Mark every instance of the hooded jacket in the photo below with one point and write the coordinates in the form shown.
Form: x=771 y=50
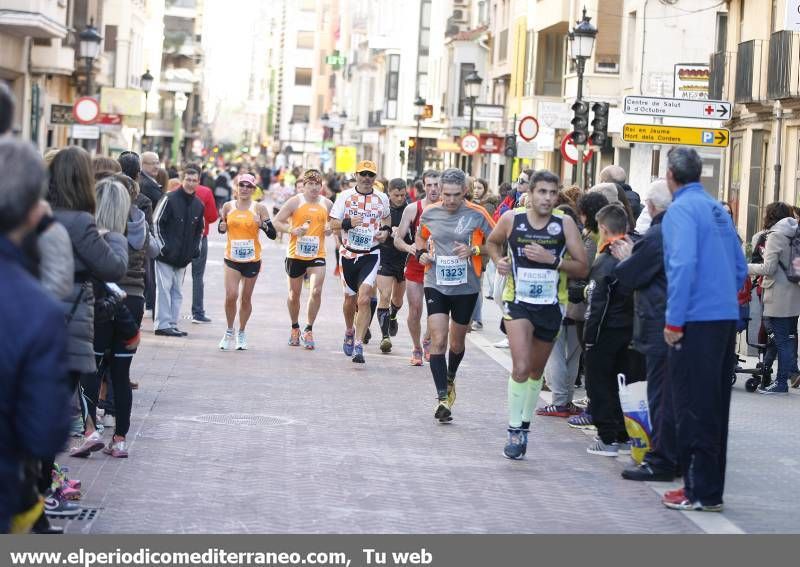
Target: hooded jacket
x=781 y=297
x=610 y=303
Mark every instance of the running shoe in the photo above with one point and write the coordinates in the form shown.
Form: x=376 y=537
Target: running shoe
x=393 y=326
x=294 y=339
x=349 y=341
x=775 y=388
x=367 y=336
x=477 y=326
x=308 y=340
x=451 y=391
x=118 y=450
x=241 y=341
x=443 y=413
x=416 y=357
x=227 y=341
x=552 y=410
x=200 y=319
x=386 y=345
x=624 y=447
x=501 y=344
x=90 y=444
x=358 y=354
x=56 y=506
x=795 y=381
x=603 y=449
x=677 y=500
x=515 y=449
x=582 y=402
x=426 y=349
x=573 y=409
x=582 y=421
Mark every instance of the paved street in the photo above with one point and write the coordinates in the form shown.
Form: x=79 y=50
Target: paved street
x=278 y=439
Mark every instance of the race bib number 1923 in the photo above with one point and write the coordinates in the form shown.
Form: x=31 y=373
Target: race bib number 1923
x=243 y=250
x=451 y=270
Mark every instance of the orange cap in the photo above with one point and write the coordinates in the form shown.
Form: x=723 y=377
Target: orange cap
x=367 y=165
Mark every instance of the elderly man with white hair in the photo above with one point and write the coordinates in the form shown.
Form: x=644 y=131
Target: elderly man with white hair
x=642 y=268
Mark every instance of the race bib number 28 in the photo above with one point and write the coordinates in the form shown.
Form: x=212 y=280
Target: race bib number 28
x=536 y=286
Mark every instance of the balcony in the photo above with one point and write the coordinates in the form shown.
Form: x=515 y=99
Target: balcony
x=783 y=72
x=35 y=18
x=751 y=67
x=374 y=119
x=52 y=59
x=721 y=75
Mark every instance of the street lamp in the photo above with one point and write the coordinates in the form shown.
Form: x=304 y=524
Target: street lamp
x=146 y=83
x=472 y=89
x=581 y=43
x=420 y=104
x=88 y=50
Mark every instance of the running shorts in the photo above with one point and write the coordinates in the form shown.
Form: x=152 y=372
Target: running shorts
x=358 y=271
x=394 y=270
x=415 y=272
x=247 y=269
x=546 y=319
x=458 y=307
x=296 y=268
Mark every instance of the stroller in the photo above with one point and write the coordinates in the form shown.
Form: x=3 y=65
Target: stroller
x=756 y=337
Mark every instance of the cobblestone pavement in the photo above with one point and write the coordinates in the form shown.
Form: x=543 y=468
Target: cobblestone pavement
x=278 y=439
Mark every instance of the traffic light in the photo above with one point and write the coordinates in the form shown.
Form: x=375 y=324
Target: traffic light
x=599 y=124
x=580 y=122
x=510 y=149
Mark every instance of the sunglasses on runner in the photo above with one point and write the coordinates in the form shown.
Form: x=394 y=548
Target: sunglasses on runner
x=247 y=185
x=366 y=174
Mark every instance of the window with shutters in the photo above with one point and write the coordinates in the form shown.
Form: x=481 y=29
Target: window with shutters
x=607 y=48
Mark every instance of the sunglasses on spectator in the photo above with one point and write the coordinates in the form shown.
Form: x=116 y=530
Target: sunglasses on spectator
x=366 y=174
x=247 y=185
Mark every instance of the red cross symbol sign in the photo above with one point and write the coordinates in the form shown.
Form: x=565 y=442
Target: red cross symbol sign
x=709 y=110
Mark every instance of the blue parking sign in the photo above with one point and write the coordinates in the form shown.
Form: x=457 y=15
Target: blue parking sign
x=708 y=137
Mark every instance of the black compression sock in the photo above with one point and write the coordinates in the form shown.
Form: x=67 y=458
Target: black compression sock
x=526 y=425
x=373 y=305
x=309 y=328
x=453 y=360
x=439 y=371
x=295 y=325
x=393 y=309
x=383 y=321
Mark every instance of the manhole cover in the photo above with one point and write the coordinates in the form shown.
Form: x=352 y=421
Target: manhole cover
x=241 y=419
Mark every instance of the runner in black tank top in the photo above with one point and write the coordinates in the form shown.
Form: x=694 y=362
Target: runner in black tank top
x=537 y=242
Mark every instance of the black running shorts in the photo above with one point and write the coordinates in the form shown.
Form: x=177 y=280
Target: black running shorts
x=358 y=271
x=296 y=268
x=546 y=319
x=396 y=270
x=247 y=269
x=458 y=307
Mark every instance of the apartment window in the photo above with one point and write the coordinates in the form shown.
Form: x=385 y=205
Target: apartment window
x=502 y=46
x=301 y=113
x=530 y=62
x=305 y=40
x=759 y=150
x=42 y=41
x=110 y=39
x=302 y=77
x=722 y=31
x=551 y=64
x=392 y=86
x=607 y=49
x=630 y=44
x=423 y=46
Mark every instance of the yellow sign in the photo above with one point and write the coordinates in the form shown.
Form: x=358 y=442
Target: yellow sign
x=345 y=159
x=676 y=135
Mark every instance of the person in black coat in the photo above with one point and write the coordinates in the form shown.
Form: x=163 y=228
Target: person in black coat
x=150 y=188
x=642 y=269
x=178 y=226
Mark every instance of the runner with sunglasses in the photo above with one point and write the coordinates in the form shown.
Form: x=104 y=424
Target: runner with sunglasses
x=241 y=220
x=364 y=218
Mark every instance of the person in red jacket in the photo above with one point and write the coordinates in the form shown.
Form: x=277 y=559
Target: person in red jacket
x=210 y=216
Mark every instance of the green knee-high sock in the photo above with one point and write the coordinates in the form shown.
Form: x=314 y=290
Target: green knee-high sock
x=531 y=399
x=516 y=400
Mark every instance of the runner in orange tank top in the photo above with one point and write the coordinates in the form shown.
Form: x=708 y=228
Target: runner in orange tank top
x=305 y=218
x=241 y=220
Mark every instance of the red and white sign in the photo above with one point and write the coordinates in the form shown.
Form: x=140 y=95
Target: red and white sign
x=569 y=151
x=86 y=110
x=491 y=144
x=110 y=119
x=470 y=144
x=528 y=128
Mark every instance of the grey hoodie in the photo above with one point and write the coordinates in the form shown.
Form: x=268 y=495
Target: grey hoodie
x=781 y=297
x=140 y=245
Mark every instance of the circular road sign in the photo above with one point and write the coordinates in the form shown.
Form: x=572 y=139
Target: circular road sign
x=569 y=151
x=86 y=110
x=470 y=144
x=528 y=128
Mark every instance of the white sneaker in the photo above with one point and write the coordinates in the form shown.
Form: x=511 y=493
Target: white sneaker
x=109 y=421
x=227 y=341
x=501 y=344
x=241 y=341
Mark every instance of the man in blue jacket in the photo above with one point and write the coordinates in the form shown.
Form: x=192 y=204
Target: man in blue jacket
x=705 y=268
x=34 y=389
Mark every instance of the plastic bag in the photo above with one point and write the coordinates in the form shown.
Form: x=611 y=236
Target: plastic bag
x=633 y=399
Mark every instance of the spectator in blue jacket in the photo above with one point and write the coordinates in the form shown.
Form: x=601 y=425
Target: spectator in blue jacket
x=34 y=389
x=705 y=269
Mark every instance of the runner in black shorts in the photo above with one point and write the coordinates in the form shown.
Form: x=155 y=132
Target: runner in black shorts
x=391 y=273
x=537 y=240
x=296 y=268
x=448 y=243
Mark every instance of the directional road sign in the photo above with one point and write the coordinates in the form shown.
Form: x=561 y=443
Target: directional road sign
x=678 y=107
x=676 y=135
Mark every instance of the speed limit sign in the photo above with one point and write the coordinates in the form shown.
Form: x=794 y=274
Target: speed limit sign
x=470 y=144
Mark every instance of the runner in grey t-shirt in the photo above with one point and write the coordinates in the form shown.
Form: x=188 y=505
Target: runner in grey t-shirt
x=448 y=243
